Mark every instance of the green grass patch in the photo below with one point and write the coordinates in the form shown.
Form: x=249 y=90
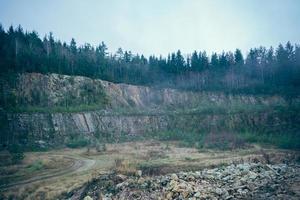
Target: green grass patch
x=35 y=166
x=77 y=142
x=227 y=140
x=185 y=139
x=285 y=141
x=57 y=109
x=202 y=107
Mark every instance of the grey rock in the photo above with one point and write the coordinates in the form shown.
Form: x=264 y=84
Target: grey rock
x=174 y=177
x=87 y=198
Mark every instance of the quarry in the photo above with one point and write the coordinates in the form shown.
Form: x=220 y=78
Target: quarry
x=120 y=141
x=150 y=100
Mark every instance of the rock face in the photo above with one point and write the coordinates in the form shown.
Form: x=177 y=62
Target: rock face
x=57 y=127
x=33 y=89
x=242 y=181
x=127 y=109
x=55 y=90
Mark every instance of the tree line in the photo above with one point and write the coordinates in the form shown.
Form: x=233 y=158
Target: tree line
x=261 y=70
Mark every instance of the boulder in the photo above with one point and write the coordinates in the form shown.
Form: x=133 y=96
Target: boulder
x=87 y=198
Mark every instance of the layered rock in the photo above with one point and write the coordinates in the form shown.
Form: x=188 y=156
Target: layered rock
x=131 y=110
x=57 y=127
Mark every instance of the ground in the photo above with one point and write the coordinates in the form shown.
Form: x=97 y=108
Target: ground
x=52 y=174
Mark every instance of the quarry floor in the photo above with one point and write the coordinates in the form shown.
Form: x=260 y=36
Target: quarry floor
x=48 y=175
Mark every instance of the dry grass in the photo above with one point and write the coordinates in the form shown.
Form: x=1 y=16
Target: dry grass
x=126 y=158
x=33 y=165
x=223 y=141
x=125 y=167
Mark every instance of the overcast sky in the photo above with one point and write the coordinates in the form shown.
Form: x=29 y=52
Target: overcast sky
x=160 y=26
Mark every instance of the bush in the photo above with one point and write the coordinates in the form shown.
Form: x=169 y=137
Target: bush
x=17 y=153
x=223 y=141
x=17 y=157
x=156 y=154
x=125 y=167
x=100 y=147
x=77 y=142
x=285 y=141
x=186 y=139
x=35 y=166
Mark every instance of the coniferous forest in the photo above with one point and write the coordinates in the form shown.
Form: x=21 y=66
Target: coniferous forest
x=262 y=70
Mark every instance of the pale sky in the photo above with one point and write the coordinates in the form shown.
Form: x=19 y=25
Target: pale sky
x=160 y=26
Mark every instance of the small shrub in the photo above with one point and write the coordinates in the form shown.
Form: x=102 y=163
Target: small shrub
x=185 y=138
x=17 y=157
x=153 y=155
x=17 y=153
x=188 y=159
x=35 y=166
x=104 y=147
x=71 y=80
x=283 y=140
x=265 y=156
x=125 y=167
x=88 y=150
x=77 y=142
x=167 y=147
x=153 y=168
x=223 y=141
x=100 y=147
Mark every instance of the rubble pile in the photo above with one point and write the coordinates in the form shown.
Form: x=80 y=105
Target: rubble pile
x=241 y=181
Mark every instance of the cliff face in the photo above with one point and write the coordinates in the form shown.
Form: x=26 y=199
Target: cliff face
x=144 y=110
x=56 y=128
x=61 y=90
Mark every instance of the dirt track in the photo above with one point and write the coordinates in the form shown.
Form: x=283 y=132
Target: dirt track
x=78 y=165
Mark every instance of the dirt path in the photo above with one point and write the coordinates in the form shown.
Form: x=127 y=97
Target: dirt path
x=78 y=165
x=86 y=164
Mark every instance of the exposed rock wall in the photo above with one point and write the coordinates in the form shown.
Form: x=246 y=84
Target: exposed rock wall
x=164 y=105
x=54 y=90
x=57 y=127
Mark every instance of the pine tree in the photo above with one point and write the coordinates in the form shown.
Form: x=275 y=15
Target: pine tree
x=238 y=57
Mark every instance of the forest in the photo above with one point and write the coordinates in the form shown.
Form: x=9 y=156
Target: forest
x=261 y=71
